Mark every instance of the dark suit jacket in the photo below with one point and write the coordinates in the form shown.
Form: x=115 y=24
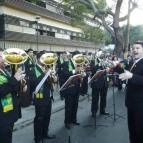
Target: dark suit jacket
x=65 y=76
x=28 y=66
x=11 y=116
x=134 y=93
x=60 y=72
x=34 y=81
x=102 y=80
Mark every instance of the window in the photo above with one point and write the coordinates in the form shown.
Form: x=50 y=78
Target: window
x=74 y=34
x=44 y=28
x=67 y=14
x=69 y=33
x=61 y=31
x=73 y=37
x=54 y=29
x=23 y=23
x=50 y=33
x=35 y=26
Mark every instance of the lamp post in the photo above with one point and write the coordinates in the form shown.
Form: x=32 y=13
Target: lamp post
x=36 y=19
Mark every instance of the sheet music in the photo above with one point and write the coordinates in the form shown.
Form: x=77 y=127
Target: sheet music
x=42 y=82
x=96 y=75
x=70 y=80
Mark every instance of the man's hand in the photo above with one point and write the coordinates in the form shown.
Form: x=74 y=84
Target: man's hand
x=107 y=69
x=25 y=88
x=55 y=79
x=125 y=75
x=19 y=75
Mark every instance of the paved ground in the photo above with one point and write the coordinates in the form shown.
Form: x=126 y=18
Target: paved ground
x=116 y=132
x=28 y=113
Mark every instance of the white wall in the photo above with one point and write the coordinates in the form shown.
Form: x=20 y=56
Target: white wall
x=29 y=16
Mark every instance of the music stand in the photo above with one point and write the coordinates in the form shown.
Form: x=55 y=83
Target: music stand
x=115 y=116
x=93 y=79
x=88 y=97
x=70 y=82
x=72 y=79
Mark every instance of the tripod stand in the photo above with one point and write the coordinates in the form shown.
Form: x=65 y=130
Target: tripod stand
x=114 y=116
x=95 y=126
x=88 y=96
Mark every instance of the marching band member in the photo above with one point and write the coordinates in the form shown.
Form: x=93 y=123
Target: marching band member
x=60 y=63
x=134 y=93
x=42 y=102
x=99 y=87
x=9 y=108
x=30 y=63
x=72 y=93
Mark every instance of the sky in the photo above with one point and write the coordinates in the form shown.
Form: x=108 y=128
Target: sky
x=136 y=17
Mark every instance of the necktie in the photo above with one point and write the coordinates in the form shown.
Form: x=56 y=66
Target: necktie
x=133 y=66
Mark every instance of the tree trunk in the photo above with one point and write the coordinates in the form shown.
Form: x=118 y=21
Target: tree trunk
x=119 y=42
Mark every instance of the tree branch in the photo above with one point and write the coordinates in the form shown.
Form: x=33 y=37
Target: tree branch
x=81 y=1
x=107 y=12
x=93 y=6
x=117 y=13
x=131 y=10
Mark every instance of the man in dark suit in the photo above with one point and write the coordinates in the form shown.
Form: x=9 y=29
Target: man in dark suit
x=42 y=102
x=9 y=108
x=99 y=87
x=134 y=93
x=30 y=63
x=71 y=93
x=60 y=63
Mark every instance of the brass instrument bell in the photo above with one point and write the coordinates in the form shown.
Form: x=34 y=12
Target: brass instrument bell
x=15 y=57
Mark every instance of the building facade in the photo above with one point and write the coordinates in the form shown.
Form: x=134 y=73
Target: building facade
x=18 y=27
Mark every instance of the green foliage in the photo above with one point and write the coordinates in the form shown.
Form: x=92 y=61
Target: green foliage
x=77 y=13
x=66 y=1
x=35 y=1
x=101 y=5
x=136 y=33
x=94 y=35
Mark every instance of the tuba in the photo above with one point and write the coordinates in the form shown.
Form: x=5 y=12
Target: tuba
x=15 y=57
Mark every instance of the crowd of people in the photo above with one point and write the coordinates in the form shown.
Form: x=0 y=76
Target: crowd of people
x=130 y=72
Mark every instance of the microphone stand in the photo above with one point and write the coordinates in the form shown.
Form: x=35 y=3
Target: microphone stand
x=114 y=116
